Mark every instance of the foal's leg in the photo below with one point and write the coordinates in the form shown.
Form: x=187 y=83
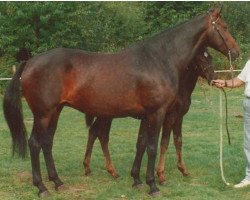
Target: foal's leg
x=38 y=131
x=166 y=131
x=177 y=132
x=91 y=140
x=154 y=123
x=103 y=136
x=140 y=149
x=100 y=129
x=47 y=143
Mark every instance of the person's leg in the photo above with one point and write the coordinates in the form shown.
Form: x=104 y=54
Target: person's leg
x=246 y=108
x=247 y=135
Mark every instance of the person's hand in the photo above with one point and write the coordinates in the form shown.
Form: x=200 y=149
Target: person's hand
x=219 y=83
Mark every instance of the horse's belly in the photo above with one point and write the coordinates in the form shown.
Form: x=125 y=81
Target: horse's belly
x=107 y=104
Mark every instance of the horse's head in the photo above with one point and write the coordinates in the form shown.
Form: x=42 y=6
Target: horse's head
x=203 y=63
x=219 y=36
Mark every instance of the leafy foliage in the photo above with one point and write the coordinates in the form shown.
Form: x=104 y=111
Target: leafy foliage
x=103 y=26
x=163 y=14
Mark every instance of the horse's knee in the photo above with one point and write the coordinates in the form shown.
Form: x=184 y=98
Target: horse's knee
x=151 y=150
x=33 y=144
x=150 y=180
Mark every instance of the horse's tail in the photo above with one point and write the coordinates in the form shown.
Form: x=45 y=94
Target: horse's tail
x=12 y=107
x=89 y=120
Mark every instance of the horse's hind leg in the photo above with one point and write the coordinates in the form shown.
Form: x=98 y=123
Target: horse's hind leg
x=140 y=149
x=103 y=136
x=38 y=131
x=177 y=132
x=47 y=143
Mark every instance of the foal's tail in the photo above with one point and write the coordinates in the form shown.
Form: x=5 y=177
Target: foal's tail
x=89 y=120
x=13 y=114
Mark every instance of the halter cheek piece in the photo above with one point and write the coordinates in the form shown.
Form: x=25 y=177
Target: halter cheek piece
x=218 y=30
x=229 y=52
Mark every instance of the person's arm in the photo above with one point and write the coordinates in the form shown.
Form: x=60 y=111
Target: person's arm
x=231 y=83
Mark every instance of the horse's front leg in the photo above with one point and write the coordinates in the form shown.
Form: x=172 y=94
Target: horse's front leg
x=177 y=132
x=154 y=123
x=153 y=130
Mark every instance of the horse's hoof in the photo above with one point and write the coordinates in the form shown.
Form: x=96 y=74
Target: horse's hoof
x=154 y=191
x=44 y=194
x=60 y=188
x=155 y=194
x=137 y=185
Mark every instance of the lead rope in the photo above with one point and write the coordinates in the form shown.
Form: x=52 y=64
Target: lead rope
x=221 y=142
x=221 y=130
x=231 y=68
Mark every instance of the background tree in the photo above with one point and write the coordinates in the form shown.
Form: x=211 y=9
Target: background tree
x=29 y=28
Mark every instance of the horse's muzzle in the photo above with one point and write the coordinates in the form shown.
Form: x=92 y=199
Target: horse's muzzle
x=234 y=54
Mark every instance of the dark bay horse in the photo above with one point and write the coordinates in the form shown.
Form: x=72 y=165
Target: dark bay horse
x=200 y=66
x=141 y=81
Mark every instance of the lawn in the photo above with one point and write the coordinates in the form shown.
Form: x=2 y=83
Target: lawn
x=200 y=149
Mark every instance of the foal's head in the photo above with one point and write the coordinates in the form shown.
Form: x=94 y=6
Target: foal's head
x=203 y=65
x=219 y=36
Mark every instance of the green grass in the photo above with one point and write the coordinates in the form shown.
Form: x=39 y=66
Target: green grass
x=200 y=151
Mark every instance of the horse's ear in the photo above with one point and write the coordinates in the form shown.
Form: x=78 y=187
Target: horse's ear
x=210 y=10
x=221 y=6
x=215 y=11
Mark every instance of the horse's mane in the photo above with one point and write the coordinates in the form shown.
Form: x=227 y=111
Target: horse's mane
x=168 y=32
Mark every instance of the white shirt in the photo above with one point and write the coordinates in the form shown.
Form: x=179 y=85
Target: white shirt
x=245 y=77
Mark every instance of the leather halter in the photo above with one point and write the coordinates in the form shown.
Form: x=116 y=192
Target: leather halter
x=215 y=27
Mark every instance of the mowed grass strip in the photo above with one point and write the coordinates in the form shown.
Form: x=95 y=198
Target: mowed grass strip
x=200 y=152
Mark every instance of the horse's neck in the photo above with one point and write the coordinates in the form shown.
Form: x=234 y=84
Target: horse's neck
x=183 y=41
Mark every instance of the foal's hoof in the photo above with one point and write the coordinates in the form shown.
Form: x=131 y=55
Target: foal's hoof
x=116 y=176
x=44 y=194
x=162 y=180
x=186 y=173
x=183 y=170
x=60 y=188
x=87 y=172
